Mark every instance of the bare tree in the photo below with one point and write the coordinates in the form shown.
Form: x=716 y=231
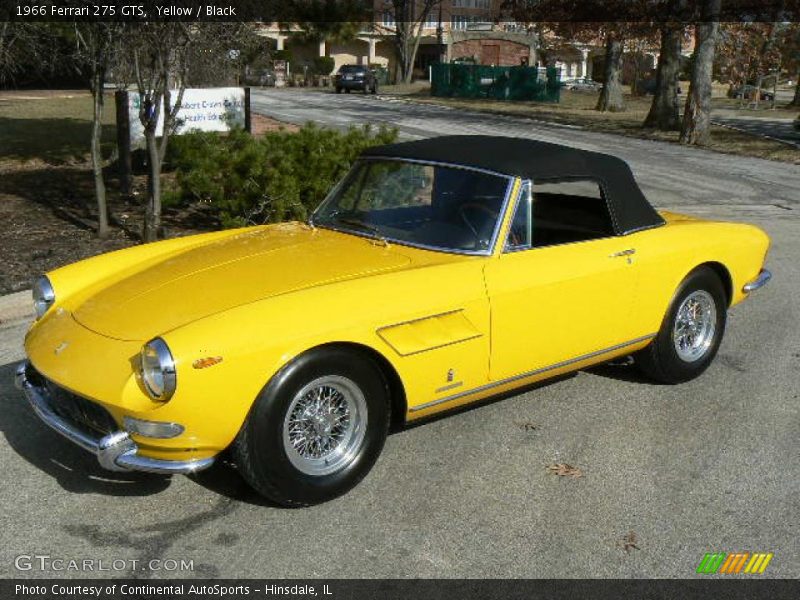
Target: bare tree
x=696 y=126
x=159 y=54
x=769 y=60
x=409 y=20
x=93 y=58
x=25 y=47
x=796 y=100
x=791 y=58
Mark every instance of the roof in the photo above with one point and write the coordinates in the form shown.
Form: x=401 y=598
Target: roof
x=538 y=161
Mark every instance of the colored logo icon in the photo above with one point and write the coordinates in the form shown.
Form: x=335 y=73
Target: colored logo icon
x=734 y=563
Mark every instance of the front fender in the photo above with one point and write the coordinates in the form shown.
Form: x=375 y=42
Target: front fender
x=255 y=341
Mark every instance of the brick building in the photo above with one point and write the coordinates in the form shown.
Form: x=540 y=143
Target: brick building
x=471 y=30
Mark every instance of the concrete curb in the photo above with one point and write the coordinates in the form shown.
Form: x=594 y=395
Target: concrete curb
x=15 y=307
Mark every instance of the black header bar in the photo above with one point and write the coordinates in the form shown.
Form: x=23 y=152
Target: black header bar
x=519 y=11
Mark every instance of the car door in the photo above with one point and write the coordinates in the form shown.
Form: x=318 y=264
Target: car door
x=563 y=286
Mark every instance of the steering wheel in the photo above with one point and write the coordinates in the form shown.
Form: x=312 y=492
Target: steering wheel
x=462 y=212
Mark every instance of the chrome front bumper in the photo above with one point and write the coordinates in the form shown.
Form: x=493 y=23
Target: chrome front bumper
x=115 y=451
x=763 y=278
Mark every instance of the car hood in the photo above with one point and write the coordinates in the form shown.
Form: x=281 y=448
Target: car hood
x=223 y=274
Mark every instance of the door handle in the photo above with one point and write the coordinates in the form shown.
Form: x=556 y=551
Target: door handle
x=627 y=252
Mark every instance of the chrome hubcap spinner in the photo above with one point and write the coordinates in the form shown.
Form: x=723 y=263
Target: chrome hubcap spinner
x=325 y=425
x=695 y=326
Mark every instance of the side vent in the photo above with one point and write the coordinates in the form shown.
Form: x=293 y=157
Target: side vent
x=429 y=333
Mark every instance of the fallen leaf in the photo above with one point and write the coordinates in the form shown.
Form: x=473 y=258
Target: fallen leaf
x=565 y=470
x=630 y=541
x=527 y=425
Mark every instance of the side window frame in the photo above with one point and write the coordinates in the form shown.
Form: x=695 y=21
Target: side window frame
x=525 y=196
x=529 y=183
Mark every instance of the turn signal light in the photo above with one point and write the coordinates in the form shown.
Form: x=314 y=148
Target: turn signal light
x=209 y=361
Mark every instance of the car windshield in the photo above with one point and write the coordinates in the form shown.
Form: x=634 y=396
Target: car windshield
x=438 y=207
x=351 y=69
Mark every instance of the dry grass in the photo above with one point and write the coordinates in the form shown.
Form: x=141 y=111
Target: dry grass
x=51 y=127
x=577 y=108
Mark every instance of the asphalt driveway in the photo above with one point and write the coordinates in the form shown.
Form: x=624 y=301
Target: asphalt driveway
x=669 y=472
x=781 y=129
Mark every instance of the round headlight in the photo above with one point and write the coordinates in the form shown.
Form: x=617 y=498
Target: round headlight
x=43 y=295
x=158 y=370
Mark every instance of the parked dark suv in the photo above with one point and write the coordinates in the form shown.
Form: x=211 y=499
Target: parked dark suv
x=355 y=77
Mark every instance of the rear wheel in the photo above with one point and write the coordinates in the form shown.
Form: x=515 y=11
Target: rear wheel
x=316 y=429
x=338 y=90
x=691 y=332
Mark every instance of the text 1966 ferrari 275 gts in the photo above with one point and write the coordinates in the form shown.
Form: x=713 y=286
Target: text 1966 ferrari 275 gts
x=437 y=273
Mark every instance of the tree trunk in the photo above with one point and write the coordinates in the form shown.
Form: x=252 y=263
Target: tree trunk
x=611 y=95
x=412 y=55
x=796 y=100
x=152 y=217
x=696 y=127
x=757 y=93
x=407 y=42
x=664 y=111
x=97 y=153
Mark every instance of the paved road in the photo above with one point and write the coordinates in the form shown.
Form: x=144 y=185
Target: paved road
x=670 y=174
x=781 y=129
x=709 y=465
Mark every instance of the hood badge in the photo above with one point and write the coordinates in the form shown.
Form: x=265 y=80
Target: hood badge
x=60 y=348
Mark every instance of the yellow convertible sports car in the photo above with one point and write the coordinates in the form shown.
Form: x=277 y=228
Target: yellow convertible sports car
x=437 y=273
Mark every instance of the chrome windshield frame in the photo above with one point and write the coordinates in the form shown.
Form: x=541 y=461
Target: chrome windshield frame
x=510 y=179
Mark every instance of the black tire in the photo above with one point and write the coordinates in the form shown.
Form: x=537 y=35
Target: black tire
x=259 y=449
x=338 y=90
x=346 y=90
x=661 y=359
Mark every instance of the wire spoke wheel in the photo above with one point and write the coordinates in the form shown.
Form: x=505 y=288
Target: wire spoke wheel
x=695 y=326
x=325 y=425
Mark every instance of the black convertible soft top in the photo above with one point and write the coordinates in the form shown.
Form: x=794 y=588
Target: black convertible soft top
x=540 y=162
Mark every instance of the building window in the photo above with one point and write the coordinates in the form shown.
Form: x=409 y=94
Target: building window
x=473 y=22
x=472 y=4
x=458 y=21
x=388 y=19
x=432 y=20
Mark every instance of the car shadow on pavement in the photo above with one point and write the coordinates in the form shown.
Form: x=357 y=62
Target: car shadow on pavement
x=74 y=469
x=622 y=372
x=223 y=479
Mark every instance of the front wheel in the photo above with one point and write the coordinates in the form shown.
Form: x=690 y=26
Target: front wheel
x=691 y=332
x=316 y=429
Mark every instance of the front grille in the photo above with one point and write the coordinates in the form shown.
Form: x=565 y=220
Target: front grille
x=79 y=410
